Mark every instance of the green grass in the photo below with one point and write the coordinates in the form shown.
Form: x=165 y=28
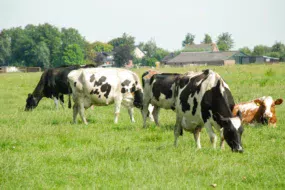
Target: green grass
x=43 y=150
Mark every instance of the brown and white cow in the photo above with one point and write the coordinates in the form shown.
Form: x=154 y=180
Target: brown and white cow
x=104 y=86
x=204 y=100
x=260 y=110
x=159 y=91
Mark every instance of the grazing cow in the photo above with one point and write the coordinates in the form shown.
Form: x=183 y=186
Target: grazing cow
x=53 y=84
x=204 y=100
x=260 y=110
x=158 y=91
x=104 y=86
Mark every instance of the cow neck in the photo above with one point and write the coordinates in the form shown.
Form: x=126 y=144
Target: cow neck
x=39 y=91
x=220 y=102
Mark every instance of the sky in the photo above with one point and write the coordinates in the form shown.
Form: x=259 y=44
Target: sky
x=250 y=22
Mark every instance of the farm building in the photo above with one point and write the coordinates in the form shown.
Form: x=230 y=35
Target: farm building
x=201 y=47
x=259 y=59
x=138 y=53
x=207 y=58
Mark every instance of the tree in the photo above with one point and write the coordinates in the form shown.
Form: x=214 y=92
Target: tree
x=189 y=39
x=5 y=48
x=150 y=48
x=225 y=42
x=71 y=36
x=245 y=50
x=149 y=61
x=278 y=47
x=102 y=47
x=41 y=55
x=122 y=55
x=73 y=55
x=261 y=50
x=124 y=40
x=207 y=39
x=160 y=53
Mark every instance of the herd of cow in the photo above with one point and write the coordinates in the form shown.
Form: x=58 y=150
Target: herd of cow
x=200 y=99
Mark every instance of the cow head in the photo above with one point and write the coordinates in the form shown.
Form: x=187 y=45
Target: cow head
x=138 y=99
x=232 y=131
x=267 y=108
x=31 y=102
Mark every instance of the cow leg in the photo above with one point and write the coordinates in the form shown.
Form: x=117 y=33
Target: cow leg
x=155 y=114
x=150 y=110
x=81 y=112
x=178 y=128
x=197 y=136
x=61 y=100
x=222 y=144
x=211 y=133
x=144 y=114
x=131 y=114
x=117 y=110
x=55 y=102
x=75 y=112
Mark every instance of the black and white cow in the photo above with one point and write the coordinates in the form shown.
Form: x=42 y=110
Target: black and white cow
x=104 y=86
x=53 y=84
x=159 y=91
x=204 y=100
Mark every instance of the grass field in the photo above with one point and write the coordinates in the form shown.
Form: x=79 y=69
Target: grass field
x=43 y=150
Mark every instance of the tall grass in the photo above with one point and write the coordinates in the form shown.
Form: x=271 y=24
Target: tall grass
x=43 y=150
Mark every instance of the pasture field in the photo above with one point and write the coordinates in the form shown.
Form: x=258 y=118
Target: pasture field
x=43 y=150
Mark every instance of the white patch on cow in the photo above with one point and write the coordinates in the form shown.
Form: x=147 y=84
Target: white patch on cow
x=268 y=101
x=247 y=106
x=236 y=122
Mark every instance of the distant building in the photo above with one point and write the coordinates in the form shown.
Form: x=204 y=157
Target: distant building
x=138 y=53
x=201 y=48
x=106 y=59
x=206 y=58
x=259 y=59
x=167 y=58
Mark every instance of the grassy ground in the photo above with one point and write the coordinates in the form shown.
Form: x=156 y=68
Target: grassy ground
x=43 y=150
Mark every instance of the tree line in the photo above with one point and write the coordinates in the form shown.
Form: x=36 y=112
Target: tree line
x=47 y=46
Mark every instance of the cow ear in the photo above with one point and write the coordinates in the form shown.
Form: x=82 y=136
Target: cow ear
x=278 y=101
x=239 y=114
x=258 y=102
x=220 y=118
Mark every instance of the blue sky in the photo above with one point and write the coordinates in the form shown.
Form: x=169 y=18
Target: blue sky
x=251 y=22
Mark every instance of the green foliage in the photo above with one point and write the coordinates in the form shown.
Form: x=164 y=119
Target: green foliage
x=73 y=55
x=125 y=40
x=102 y=47
x=261 y=50
x=207 y=39
x=149 y=61
x=225 y=42
x=150 y=48
x=122 y=55
x=5 y=48
x=43 y=150
x=189 y=39
x=245 y=50
x=41 y=55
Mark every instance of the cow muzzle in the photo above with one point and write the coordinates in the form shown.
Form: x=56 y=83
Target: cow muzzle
x=239 y=149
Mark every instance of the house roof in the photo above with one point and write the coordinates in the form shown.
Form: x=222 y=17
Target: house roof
x=194 y=57
x=168 y=57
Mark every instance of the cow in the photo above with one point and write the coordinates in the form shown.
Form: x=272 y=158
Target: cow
x=260 y=110
x=53 y=84
x=104 y=86
x=158 y=91
x=204 y=100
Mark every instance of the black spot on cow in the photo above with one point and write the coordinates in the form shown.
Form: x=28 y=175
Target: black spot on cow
x=92 y=78
x=106 y=88
x=126 y=82
x=100 y=81
x=91 y=92
x=96 y=92
x=138 y=99
x=195 y=106
x=213 y=100
x=99 y=96
x=133 y=89
x=75 y=84
x=191 y=88
x=136 y=82
x=163 y=84
x=123 y=90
